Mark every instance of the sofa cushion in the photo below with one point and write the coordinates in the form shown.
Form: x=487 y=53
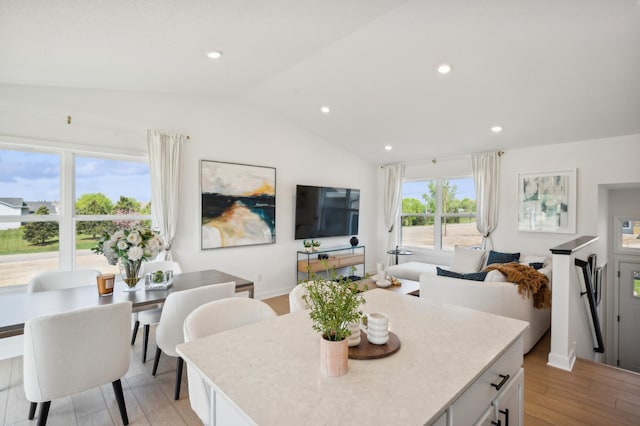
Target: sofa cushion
x=411 y=270
x=473 y=276
x=498 y=257
x=466 y=260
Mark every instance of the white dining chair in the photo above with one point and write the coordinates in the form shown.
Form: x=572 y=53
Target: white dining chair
x=149 y=316
x=296 y=302
x=177 y=306
x=211 y=318
x=75 y=351
x=59 y=280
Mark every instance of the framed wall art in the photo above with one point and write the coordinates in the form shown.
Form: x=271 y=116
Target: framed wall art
x=238 y=204
x=547 y=201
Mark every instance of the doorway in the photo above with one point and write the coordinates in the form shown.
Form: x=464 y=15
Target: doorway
x=629 y=316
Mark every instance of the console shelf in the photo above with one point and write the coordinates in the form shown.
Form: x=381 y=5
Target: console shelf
x=338 y=257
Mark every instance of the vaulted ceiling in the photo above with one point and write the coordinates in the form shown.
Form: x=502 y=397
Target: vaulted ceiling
x=546 y=71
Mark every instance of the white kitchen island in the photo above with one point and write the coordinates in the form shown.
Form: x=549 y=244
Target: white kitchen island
x=268 y=373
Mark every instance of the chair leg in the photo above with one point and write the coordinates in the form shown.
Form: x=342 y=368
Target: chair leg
x=179 y=365
x=117 y=388
x=145 y=342
x=156 y=360
x=32 y=410
x=135 y=332
x=44 y=413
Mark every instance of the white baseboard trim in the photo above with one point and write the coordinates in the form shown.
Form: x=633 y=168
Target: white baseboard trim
x=562 y=362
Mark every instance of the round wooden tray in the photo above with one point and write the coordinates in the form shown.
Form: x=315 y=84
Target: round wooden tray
x=366 y=350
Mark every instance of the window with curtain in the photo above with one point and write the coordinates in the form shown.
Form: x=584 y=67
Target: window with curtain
x=439 y=214
x=37 y=232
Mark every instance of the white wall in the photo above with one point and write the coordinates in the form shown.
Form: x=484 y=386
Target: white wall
x=220 y=129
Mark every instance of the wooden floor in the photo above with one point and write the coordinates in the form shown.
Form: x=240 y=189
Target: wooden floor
x=592 y=394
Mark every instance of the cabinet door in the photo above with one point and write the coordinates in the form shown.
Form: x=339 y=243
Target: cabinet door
x=509 y=402
x=487 y=418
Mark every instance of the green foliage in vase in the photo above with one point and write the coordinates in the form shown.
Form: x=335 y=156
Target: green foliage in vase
x=333 y=304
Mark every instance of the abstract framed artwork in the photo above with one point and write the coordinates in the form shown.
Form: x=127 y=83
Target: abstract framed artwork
x=547 y=201
x=238 y=204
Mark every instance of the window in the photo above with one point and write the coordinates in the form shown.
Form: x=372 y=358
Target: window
x=110 y=194
x=43 y=228
x=439 y=214
x=626 y=231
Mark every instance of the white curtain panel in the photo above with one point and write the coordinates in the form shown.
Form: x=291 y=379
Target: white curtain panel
x=392 y=197
x=486 y=176
x=165 y=164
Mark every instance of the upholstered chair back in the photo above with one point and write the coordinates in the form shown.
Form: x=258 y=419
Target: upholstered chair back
x=75 y=351
x=58 y=280
x=212 y=318
x=178 y=305
x=296 y=303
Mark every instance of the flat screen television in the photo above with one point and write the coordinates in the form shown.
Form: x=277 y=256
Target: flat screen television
x=326 y=211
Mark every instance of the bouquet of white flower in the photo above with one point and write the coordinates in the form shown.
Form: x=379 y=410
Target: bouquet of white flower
x=129 y=244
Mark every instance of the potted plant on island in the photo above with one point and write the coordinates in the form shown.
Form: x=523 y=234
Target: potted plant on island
x=333 y=305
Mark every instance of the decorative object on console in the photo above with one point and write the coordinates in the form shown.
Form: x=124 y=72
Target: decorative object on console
x=238 y=205
x=547 y=201
x=354 y=241
x=333 y=305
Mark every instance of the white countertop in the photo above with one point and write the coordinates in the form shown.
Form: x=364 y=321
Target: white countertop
x=271 y=370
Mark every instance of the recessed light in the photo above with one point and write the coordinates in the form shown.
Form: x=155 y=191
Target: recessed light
x=444 y=69
x=215 y=54
x=496 y=129
x=325 y=109
x=388 y=147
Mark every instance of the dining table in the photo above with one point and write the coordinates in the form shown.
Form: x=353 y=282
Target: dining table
x=17 y=308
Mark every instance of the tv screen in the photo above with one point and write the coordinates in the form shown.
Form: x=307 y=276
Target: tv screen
x=326 y=212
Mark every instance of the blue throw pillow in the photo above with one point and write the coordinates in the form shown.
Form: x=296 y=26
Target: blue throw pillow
x=536 y=265
x=497 y=257
x=474 y=276
x=447 y=273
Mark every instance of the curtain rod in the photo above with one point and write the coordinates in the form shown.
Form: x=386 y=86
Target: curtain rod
x=69 y=123
x=48 y=115
x=435 y=160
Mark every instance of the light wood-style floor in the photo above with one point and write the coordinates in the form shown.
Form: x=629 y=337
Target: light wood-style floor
x=592 y=394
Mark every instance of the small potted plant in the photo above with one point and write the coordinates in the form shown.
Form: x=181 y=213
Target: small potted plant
x=315 y=245
x=333 y=305
x=308 y=246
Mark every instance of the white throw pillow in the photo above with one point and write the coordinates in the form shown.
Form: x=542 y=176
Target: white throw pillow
x=466 y=260
x=495 y=276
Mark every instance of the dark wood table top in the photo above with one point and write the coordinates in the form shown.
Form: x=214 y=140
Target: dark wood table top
x=17 y=308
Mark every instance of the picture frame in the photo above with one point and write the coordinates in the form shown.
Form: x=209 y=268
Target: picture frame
x=237 y=204
x=547 y=201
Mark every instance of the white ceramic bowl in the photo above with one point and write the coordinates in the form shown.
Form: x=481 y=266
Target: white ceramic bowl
x=378 y=340
x=377 y=333
x=377 y=318
x=383 y=284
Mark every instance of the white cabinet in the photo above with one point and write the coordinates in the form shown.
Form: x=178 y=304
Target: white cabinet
x=506 y=409
x=500 y=385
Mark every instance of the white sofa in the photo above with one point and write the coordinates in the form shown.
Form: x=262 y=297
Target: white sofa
x=497 y=297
